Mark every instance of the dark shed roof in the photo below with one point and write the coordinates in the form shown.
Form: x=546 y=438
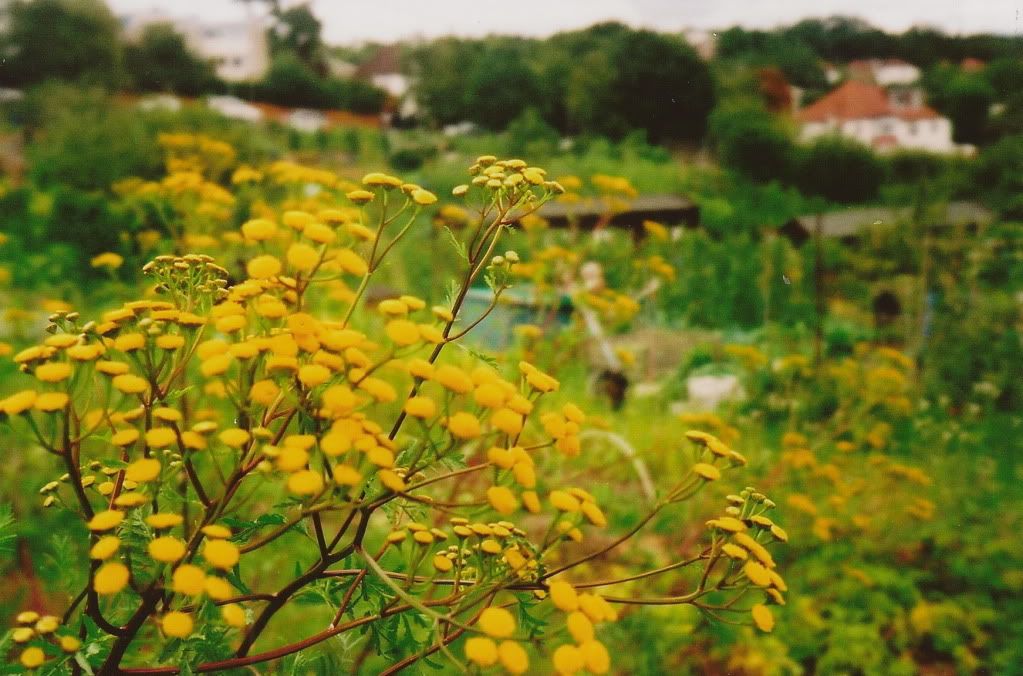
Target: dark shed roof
x=588 y=213
x=848 y=223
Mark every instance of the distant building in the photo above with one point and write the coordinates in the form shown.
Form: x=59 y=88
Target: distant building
x=882 y=120
x=238 y=49
x=383 y=70
x=884 y=72
x=705 y=42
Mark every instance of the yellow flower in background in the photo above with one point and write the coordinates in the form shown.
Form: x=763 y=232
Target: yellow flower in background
x=107 y=260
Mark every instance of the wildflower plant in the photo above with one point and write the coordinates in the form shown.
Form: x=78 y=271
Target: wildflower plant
x=235 y=444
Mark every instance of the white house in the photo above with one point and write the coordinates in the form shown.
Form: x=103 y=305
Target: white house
x=868 y=114
x=884 y=72
x=237 y=49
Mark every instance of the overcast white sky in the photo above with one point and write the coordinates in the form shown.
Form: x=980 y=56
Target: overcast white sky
x=349 y=21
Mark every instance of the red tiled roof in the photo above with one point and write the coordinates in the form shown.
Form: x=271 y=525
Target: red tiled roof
x=856 y=100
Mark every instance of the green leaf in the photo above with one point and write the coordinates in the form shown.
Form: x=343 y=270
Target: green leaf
x=7 y=534
x=458 y=245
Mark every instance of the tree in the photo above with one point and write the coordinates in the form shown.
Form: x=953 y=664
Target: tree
x=297 y=31
x=658 y=84
x=439 y=78
x=750 y=141
x=999 y=172
x=161 y=61
x=964 y=97
x=500 y=85
x=840 y=170
x=60 y=39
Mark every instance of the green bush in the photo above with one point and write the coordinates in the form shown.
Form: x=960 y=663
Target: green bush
x=840 y=170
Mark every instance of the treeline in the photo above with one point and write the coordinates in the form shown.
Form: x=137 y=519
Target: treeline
x=607 y=80
x=81 y=41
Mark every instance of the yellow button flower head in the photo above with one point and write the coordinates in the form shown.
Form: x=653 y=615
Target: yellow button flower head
x=706 y=471
x=464 y=425
x=564 y=596
x=234 y=437
x=757 y=574
x=124 y=437
x=502 y=499
x=390 y=479
x=263 y=267
x=762 y=617
x=110 y=578
x=734 y=552
x=69 y=644
x=481 y=651
x=507 y=421
x=143 y=470
x=177 y=624
x=259 y=229
x=580 y=627
x=593 y=513
x=421 y=407
x=233 y=614
x=105 y=520
x=130 y=384
x=376 y=179
x=264 y=392
x=567 y=659
x=402 y=332
x=217 y=588
x=32 y=657
x=160 y=437
x=216 y=531
x=423 y=197
x=162 y=520
x=108 y=260
x=221 y=554
x=302 y=257
x=296 y=220
x=728 y=523
x=47 y=624
x=27 y=617
x=105 y=547
x=360 y=196
x=351 y=262
x=596 y=657
x=166 y=549
x=564 y=501
x=305 y=482
x=170 y=341
x=312 y=375
x=513 y=657
x=189 y=580
x=319 y=233
x=497 y=622
x=453 y=378
x=49 y=402
x=346 y=475
x=18 y=403
x=54 y=372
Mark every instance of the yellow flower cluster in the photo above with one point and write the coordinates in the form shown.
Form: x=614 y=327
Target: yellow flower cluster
x=243 y=380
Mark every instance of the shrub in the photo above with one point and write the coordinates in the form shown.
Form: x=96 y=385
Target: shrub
x=840 y=170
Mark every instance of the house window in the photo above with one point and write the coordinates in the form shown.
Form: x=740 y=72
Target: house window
x=912 y=128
